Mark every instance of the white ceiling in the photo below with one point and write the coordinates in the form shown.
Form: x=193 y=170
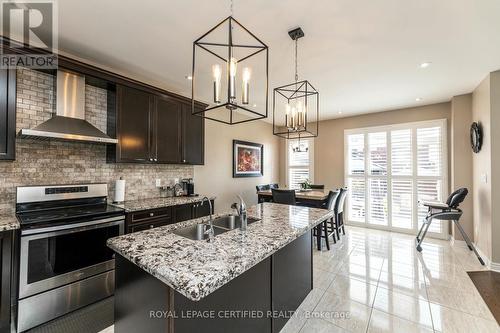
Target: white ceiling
x=362 y=55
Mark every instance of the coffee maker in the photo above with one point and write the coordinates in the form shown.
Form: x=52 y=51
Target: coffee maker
x=188 y=187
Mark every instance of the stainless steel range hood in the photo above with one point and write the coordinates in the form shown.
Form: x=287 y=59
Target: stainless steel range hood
x=68 y=123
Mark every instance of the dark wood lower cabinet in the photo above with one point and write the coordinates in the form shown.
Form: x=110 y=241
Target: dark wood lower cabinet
x=273 y=289
x=152 y=218
x=6 y=238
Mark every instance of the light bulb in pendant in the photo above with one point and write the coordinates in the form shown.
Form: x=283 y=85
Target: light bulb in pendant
x=246 y=85
x=232 y=77
x=217 y=74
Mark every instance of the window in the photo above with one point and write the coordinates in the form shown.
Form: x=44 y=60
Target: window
x=299 y=162
x=389 y=169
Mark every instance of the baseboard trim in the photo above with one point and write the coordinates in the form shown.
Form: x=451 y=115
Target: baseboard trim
x=487 y=261
x=494 y=266
x=458 y=242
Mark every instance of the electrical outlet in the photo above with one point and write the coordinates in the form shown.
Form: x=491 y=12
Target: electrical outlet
x=158 y=182
x=484 y=178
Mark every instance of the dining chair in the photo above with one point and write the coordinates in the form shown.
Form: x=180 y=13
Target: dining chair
x=284 y=196
x=339 y=212
x=331 y=202
x=321 y=232
x=317 y=187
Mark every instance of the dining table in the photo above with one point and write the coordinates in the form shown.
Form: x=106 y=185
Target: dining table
x=310 y=198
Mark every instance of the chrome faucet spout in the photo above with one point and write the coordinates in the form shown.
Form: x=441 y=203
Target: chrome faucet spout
x=210 y=230
x=242 y=212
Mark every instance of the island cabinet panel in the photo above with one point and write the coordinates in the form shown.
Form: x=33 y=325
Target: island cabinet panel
x=261 y=299
x=7 y=114
x=139 y=299
x=248 y=292
x=155 y=128
x=295 y=260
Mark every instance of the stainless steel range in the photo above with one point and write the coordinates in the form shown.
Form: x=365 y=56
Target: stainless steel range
x=64 y=261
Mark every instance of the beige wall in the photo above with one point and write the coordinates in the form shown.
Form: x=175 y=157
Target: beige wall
x=461 y=160
x=329 y=145
x=481 y=166
x=495 y=164
x=216 y=176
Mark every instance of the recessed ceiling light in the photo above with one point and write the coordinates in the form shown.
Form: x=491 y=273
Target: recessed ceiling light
x=418 y=99
x=188 y=77
x=425 y=64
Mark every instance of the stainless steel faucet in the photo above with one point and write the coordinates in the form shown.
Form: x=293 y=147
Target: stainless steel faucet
x=242 y=212
x=210 y=230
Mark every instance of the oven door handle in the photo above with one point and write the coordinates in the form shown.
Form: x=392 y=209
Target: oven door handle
x=76 y=227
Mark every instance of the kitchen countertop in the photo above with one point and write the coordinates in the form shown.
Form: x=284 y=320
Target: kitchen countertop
x=8 y=220
x=131 y=206
x=197 y=268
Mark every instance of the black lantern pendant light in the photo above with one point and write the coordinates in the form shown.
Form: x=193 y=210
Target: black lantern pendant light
x=230 y=74
x=294 y=104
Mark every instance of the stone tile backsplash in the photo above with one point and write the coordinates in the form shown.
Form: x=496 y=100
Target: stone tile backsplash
x=56 y=162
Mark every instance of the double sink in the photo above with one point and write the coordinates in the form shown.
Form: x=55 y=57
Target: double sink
x=221 y=225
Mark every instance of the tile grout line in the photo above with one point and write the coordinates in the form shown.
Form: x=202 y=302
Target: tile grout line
x=374 y=297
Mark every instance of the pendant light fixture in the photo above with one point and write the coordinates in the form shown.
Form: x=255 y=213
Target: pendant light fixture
x=295 y=104
x=230 y=74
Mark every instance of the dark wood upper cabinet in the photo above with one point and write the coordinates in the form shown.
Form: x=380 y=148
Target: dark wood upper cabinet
x=167 y=128
x=193 y=137
x=154 y=128
x=7 y=114
x=134 y=116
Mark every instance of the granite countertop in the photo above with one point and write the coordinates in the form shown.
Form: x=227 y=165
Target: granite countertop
x=8 y=220
x=197 y=268
x=151 y=203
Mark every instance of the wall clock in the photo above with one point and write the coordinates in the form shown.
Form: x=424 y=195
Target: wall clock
x=476 y=137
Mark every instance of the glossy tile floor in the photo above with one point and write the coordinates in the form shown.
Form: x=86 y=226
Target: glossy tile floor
x=375 y=281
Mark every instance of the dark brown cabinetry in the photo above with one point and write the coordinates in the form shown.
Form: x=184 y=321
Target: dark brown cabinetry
x=193 y=134
x=7 y=114
x=167 y=130
x=153 y=128
x=135 y=109
x=5 y=279
x=152 y=218
x=148 y=219
x=191 y=211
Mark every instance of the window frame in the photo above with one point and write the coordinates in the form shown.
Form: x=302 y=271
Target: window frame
x=287 y=160
x=414 y=177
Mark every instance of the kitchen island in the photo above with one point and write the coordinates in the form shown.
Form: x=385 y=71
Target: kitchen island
x=240 y=282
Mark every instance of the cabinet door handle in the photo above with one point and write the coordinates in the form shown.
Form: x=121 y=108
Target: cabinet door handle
x=156 y=160
x=151 y=226
x=183 y=161
x=151 y=214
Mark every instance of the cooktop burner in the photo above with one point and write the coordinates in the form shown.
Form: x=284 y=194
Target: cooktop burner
x=67 y=214
x=41 y=206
